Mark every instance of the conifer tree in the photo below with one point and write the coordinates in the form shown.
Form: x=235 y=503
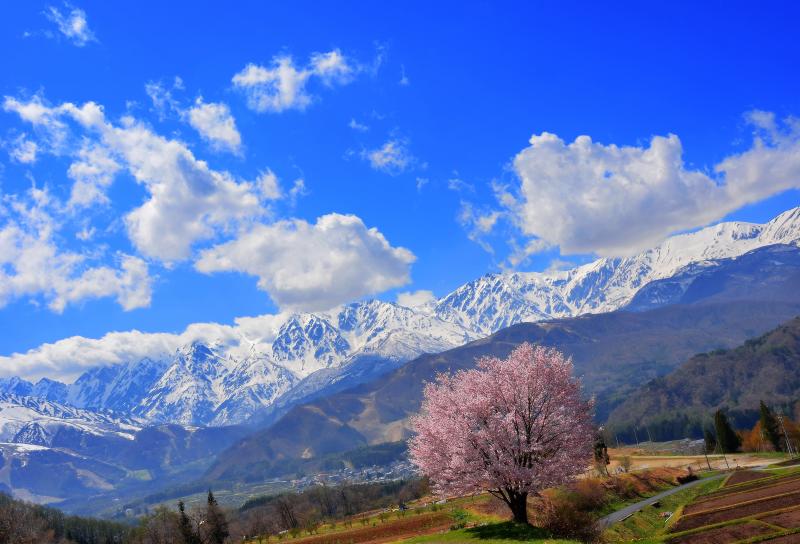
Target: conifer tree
x=216 y=524
x=727 y=439
x=770 y=427
x=185 y=526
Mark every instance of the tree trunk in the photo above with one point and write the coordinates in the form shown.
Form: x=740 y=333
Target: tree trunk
x=518 y=502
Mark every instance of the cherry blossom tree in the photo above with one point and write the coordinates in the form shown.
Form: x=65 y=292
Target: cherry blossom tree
x=512 y=427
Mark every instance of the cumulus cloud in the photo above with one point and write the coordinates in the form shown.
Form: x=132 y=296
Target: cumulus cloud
x=313 y=266
x=32 y=265
x=214 y=122
x=283 y=85
x=187 y=200
x=71 y=24
x=415 y=299
x=587 y=197
x=393 y=157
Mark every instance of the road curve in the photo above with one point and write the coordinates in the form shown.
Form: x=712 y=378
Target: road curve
x=619 y=515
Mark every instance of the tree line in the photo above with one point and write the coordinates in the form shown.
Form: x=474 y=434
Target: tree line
x=289 y=513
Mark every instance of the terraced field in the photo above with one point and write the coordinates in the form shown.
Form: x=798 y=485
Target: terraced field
x=751 y=506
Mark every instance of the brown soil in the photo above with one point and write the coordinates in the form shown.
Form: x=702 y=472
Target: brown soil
x=723 y=535
x=766 y=505
x=788 y=463
x=789 y=520
x=787 y=539
x=397 y=529
x=755 y=484
x=727 y=500
x=490 y=507
x=741 y=476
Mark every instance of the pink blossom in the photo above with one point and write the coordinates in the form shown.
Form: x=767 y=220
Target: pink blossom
x=512 y=427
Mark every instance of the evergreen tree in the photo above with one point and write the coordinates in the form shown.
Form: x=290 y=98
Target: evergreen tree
x=770 y=427
x=216 y=524
x=185 y=526
x=710 y=440
x=727 y=439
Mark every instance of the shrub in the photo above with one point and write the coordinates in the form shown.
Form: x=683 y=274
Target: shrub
x=460 y=518
x=589 y=494
x=559 y=516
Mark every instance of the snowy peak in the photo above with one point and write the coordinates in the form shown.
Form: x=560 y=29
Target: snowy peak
x=499 y=300
x=784 y=229
x=201 y=361
x=311 y=341
x=32 y=420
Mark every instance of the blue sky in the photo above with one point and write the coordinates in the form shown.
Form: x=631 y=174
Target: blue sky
x=394 y=154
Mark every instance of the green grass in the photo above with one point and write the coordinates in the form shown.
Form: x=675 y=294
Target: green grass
x=506 y=532
x=647 y=525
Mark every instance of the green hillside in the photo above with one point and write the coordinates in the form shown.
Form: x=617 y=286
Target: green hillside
x=765 y=368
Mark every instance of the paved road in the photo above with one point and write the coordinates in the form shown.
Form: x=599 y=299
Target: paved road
x=619 y=515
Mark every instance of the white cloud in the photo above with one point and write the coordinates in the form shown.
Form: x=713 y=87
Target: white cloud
x=72 y=24
x=359 y=127
x=332 y=67
x=282 y=85
x=187 y=201
x=92 y=173
x=23 y=150
x=298 y=189
x=587 y=197
x=392 y=157
x=32 y=265
x=66 y=359
x=215 y=123
x=161 y=96
x=459 y=185
x=269 y=186
x=478 y=223
x=313 y=266
x=415 y=299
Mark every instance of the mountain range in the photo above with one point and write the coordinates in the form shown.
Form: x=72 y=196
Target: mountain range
x=203 y=384
x=624 y=320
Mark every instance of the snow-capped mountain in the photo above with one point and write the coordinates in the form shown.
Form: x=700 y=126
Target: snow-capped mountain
x=30 y=420
x=209 y=384
x=305 y=354
x=499 y=300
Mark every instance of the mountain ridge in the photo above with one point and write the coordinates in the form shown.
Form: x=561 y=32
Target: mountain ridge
x=311 y=354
